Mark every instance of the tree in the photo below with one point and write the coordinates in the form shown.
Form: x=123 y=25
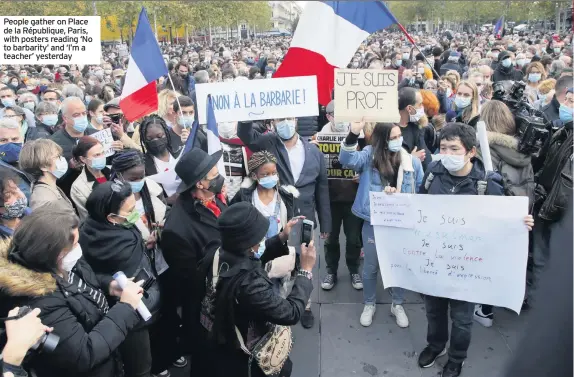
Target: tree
x=294 y=24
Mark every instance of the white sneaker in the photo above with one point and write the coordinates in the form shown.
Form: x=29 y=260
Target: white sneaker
x=401 y=317
x=484 y=319
x=367 y=315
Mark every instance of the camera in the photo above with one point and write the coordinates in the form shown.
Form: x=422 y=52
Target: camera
x=532 y=128
x=47 y=342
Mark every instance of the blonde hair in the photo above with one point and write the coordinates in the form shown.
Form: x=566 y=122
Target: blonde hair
x=498 y=118
x=471 y=111
x=539 y=67
x=163 y=101
x=37 y=155
x=455 y=74
x=546 y=86
x=368 y=130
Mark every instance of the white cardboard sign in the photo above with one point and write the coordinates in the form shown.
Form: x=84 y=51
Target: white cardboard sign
x=465 y=247
x=105 y=137
x=237 y=101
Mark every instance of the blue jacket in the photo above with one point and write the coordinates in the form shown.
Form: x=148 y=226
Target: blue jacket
x=442 y=182
x=370 y=179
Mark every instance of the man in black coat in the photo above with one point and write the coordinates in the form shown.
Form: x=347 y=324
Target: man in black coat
x=190 y=226
x=505 y=69
x=453 y=64
x=552 y=110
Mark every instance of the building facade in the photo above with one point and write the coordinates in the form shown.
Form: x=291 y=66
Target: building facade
x=283 y=14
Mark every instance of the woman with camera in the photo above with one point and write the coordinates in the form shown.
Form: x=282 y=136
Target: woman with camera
x=111 y=243
x=42 y=267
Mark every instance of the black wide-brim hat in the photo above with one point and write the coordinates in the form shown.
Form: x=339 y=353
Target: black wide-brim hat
x=193 y=166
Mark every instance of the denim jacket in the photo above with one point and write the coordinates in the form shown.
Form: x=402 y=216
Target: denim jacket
x=409 y=178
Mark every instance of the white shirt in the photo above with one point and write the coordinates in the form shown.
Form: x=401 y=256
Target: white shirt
x=296 y=159
x=266 y=210
x=167 y=171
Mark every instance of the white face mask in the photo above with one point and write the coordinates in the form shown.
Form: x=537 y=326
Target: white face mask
x=418 y=115
x=227 y=130
x=341 y=126
x=453 y=162
x=70 y=259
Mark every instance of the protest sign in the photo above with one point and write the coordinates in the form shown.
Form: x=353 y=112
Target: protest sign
x=259 y=99
x=368 y=94
x=470 y=248
x=330 y=145
x=105 y=137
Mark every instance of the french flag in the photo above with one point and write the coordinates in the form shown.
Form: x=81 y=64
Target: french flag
x=146 y=65
x=327 y=37
x=213 y=141
x=499 y=27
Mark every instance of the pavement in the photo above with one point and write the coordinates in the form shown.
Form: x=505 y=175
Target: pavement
x=338 y=346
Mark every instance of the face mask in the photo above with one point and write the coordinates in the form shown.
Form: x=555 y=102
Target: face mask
x=227 y=130
x=80 y=123
x=534 y=77
x=185 y=121
x=118 y=82
x=260 y=250
x=137 y=186
x=98 y=163
x=506 y=62
x=452 y=162
x=61 y=167
x=448 y=92
x=495 y=55
x=355 y=65
x=557 y=50
x=23 y=75
x=14 y=83
x=8 y=102
x=157 y=146
x=50 y=120
x=10 y=152
x=16 y=209
x=269 y=182
x=462 y=102
x=341 y=126
x=565 y=113
x=286 y=129
x=398 y=62
x=406 y=55
x=418 y=115
x=216 y=184
x=131 y=219
x=70 y=260
x=396 y=145
x=521 y=62
x=387 y=64
x=29 y=105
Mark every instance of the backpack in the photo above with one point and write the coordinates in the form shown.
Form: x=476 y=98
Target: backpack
x=517 y=182
x=480 y=185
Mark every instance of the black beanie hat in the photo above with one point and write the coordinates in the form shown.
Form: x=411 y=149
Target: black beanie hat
x=241 y=226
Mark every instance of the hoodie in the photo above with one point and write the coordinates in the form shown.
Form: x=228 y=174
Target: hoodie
x=502 y=73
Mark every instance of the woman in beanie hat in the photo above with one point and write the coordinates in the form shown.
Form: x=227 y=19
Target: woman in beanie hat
x=242 y=303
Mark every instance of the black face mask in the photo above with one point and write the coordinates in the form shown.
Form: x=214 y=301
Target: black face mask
x=157 y=146
x=216 y=184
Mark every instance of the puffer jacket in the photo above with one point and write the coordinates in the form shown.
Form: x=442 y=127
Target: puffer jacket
x=89 y=338
x=307 y=127
x=514 y=167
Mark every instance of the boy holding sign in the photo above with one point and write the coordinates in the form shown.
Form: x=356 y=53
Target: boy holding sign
x=457 y=172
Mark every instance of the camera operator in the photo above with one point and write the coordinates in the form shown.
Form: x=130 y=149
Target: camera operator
x=22 y=333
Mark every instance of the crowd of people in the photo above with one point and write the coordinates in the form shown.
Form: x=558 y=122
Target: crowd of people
x=208 y=251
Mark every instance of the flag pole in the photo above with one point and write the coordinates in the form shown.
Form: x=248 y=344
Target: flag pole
x=176 y=97
x=404 y=31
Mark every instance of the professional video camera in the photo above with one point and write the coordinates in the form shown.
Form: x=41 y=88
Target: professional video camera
x=532 y=128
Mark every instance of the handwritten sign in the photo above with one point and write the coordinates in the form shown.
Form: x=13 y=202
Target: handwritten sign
x=392 y=210
x=470 y=248
x=105 y=137
x=259 y=99
x=368 y=94
x=330 y=145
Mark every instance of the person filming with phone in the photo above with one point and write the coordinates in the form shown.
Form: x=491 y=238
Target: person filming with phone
x=240 y=312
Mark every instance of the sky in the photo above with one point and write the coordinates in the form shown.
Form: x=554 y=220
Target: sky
x=302 y=3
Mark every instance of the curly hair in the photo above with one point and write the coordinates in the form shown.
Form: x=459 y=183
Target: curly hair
x=259 y=159
x=152 y=120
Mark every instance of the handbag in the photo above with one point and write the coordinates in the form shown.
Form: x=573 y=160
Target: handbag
x=272 y=350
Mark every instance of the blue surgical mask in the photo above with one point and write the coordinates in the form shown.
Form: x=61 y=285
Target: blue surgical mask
x=506 y=62
x=185 y=121
x=118 y=82
x=10 y=152
x=534 y=77
x=81 y=123
x=462 y=102
x=98 y=163
x=542 y=97
x=398 y=62
x=61 y=167
x=565 y=113
x=286 y=129
x=269 y=181
x=396 y=144
x=8 y=102
x=100 y=119
x=137 y=186
x=257 y=254
x=50 y=120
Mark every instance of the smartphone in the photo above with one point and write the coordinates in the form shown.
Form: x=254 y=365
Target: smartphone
x=307 y=231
